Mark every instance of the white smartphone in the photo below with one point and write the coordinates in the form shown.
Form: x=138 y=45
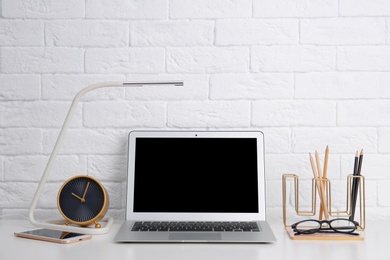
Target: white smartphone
x=53 y=236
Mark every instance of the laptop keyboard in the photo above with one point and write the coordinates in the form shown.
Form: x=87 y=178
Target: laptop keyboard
x=195 y=226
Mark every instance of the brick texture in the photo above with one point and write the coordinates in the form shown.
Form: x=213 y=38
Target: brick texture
x=308 y=73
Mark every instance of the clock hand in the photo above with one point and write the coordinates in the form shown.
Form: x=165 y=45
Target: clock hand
x=77 y=197
x=85 y=192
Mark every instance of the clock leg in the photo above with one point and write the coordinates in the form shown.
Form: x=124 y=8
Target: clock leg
x=66 y=223
x=97 y=225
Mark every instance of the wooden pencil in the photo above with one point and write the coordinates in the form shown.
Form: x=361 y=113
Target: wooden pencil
x=360 y=163
x=324 y=203
x=319 y=187
x=313 y=167
x=324 y=176
x=318 y=165
x=319 y=172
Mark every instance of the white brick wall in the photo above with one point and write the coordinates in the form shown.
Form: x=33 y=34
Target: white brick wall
x=207 y=59
x=87 y=33
x=343 y=31
x=293 y=58
x=124 y=60
x=309 y=73
x=171 y=33
x=256 y=31
x=41 y=60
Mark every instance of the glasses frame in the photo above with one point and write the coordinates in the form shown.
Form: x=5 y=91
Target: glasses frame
x=326 y=229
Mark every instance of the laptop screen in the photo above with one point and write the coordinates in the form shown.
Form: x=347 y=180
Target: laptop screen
x=196 y=175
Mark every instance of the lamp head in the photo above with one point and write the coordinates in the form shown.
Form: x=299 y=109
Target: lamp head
x=174 y=83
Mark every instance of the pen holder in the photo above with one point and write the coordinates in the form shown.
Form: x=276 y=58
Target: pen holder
x=316 y=184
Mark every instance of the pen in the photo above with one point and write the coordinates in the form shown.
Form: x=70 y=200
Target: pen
x=355 y=183
x=355 y=167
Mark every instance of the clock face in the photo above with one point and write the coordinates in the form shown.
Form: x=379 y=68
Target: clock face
x=82 y=199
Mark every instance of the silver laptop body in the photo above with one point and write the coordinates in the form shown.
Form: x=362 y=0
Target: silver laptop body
x=212 y=178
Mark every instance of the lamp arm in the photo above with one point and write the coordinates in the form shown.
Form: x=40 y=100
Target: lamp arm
x=58 y=143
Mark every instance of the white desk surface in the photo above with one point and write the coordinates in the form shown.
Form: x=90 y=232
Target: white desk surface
x=374 y=246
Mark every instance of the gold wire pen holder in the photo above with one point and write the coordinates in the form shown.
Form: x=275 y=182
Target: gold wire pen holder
x=317 y=184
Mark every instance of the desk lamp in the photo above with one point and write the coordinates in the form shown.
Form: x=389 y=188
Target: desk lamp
x=56 y=225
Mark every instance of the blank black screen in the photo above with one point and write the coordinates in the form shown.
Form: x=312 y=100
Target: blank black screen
x=209 y=175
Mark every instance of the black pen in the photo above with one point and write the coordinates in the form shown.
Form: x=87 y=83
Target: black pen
x=355 y=183
x=355 y=168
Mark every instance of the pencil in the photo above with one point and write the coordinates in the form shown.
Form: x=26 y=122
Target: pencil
x=360 y=163
x=316 y=176
x=318 y=165
x=322 y=188
x=320 y=178
x=324 y=176
x=313 y=166
x=326 y=162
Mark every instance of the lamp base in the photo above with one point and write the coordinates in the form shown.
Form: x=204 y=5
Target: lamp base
x=105 y=226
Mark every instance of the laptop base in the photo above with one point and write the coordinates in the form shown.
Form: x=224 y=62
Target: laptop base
x=125 y=235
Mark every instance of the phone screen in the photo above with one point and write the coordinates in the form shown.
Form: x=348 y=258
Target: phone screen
x=53 y=235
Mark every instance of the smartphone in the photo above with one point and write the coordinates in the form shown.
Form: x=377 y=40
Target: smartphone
x=53 y=236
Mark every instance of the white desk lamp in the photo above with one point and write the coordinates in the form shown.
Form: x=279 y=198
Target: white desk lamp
x=56 y=225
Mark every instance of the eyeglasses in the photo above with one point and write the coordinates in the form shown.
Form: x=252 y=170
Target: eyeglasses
x=338 y=225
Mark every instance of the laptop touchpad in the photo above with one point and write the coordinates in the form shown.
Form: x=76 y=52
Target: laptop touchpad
x=195 y=236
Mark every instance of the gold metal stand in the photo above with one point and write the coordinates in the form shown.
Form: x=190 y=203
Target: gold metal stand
x=316 y=183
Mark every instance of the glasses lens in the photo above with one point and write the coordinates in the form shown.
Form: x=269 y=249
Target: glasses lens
x=308 y=226
x=343 y=225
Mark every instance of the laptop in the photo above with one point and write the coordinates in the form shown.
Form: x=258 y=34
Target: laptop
x=195 y=186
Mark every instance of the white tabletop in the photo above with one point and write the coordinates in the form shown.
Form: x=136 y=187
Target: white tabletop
x=374 y=246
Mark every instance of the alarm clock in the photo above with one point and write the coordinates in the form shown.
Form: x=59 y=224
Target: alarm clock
x=83 y=200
